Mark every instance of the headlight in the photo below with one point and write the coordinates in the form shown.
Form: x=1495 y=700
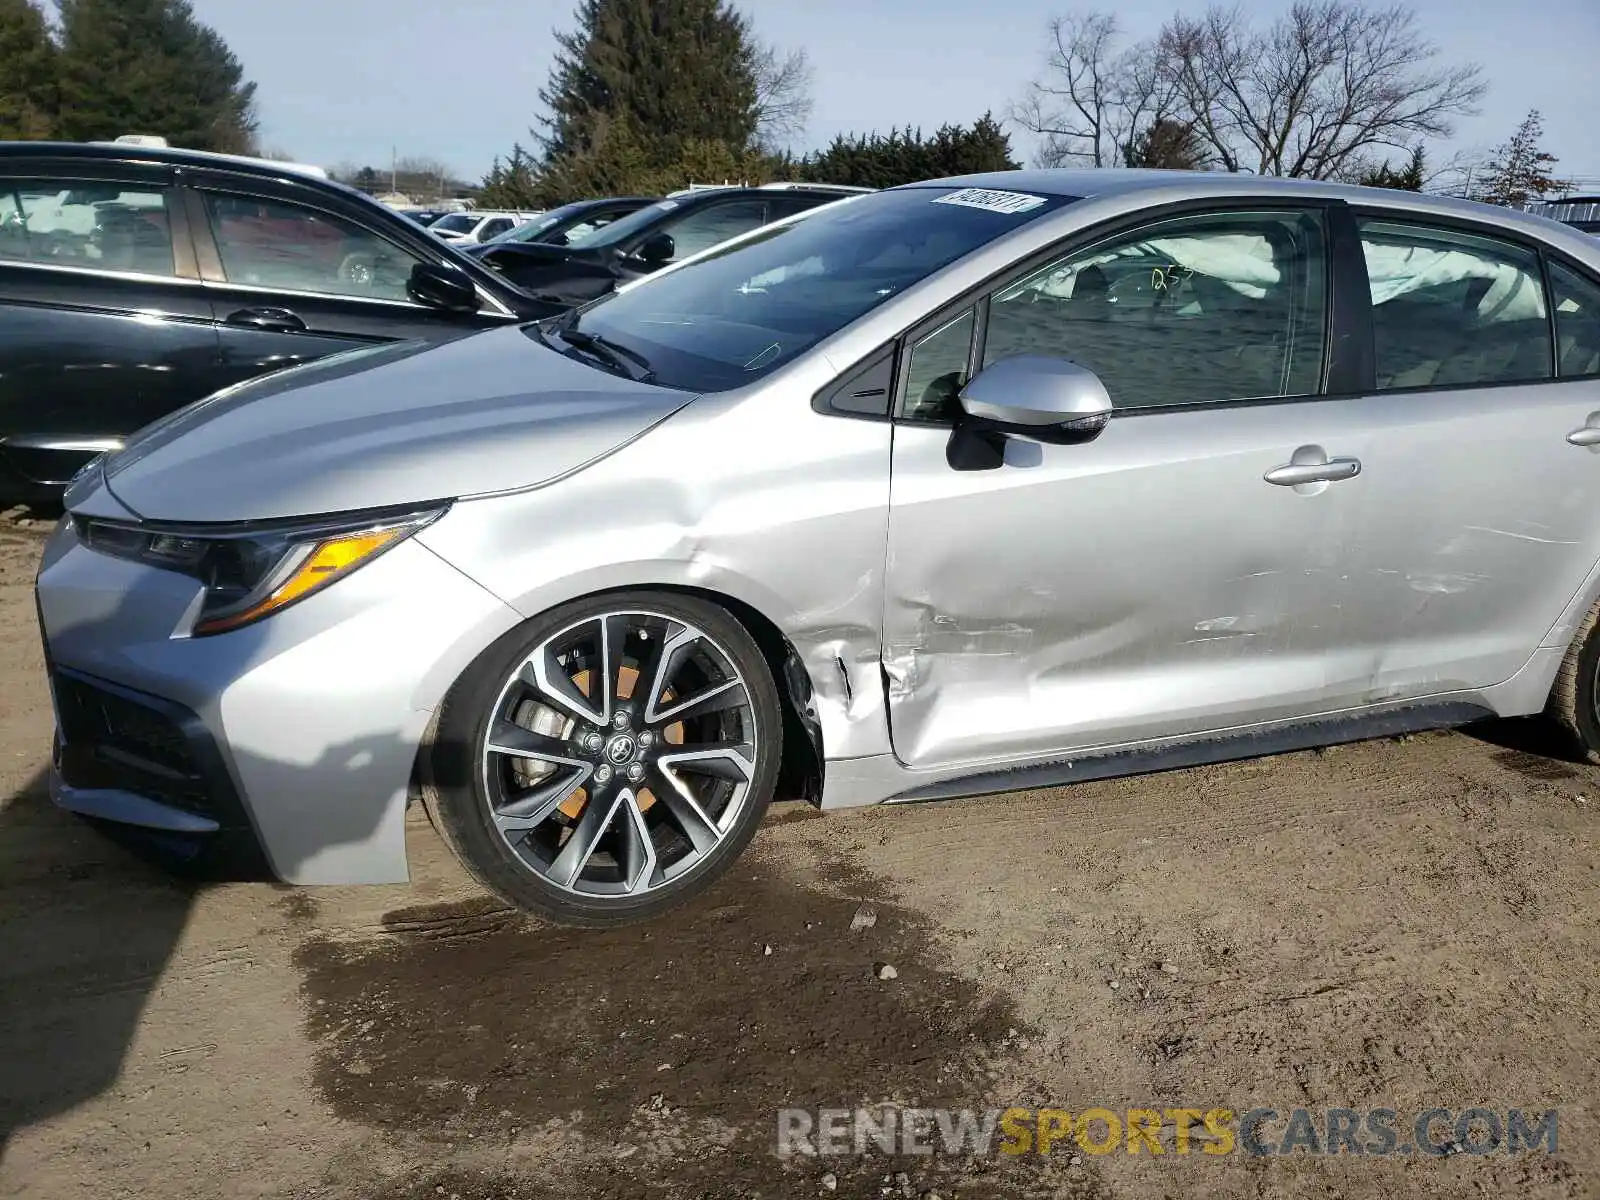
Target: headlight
x=252 y=570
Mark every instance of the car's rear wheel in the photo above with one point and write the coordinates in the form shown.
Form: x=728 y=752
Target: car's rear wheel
x=608 y=759
x=1574 y=703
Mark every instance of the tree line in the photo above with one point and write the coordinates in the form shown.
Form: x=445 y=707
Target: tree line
x=1331 y=89
x=110 y=67
x=647 y=96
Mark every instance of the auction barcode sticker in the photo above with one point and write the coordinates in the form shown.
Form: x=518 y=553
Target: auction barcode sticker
x=991 y=200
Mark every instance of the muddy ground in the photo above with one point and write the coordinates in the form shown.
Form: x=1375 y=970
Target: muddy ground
x=1402 y=924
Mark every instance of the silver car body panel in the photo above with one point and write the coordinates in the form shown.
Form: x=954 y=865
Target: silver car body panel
x=1137 y=591
x=370 y=427
x=317 y=712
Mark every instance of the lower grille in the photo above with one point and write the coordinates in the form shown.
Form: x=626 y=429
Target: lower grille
x=111 y=740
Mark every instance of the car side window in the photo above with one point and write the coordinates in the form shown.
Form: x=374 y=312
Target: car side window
x=1451 y=308
x=1202 y=309
x=936 y=370
x=1577 y=303
x=705 y=227
x=273 y=244
x=97 y=226
x=494 y=228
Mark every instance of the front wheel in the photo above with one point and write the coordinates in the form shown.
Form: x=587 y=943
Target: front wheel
x=607 y=760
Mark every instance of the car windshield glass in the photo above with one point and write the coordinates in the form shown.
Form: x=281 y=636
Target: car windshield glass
x=530 y=230
x=624 y=228
x=456 y=223
x=726 y=321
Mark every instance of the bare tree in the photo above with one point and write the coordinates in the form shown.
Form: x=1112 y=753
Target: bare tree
x=1327 y=84
x=783 y=93
x=1326 y=89
x=1095 y=98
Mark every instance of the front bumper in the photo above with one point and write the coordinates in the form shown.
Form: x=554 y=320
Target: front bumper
x=148 y=772
x=285 y=748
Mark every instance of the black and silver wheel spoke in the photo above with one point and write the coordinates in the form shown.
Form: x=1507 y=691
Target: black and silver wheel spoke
x=718 y=697
x=584 y=841
x=692 y=820
x=733 y=762
x=623 y=751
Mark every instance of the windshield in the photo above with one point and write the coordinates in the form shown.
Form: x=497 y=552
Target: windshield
x=624 y=228
x=529 y=231
x=728 y=320
x=455 y=223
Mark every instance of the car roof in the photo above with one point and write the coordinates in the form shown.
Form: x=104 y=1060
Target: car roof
x=123 y=152
x=610 y=200
x=1085 y=183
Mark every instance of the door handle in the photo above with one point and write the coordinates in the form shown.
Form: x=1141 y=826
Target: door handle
x=1329 y=471
x=1587 y=436
x=277 y=320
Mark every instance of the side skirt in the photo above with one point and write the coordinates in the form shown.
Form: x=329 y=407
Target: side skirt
x=1281 y=739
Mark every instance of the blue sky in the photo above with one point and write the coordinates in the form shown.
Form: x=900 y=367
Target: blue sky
x=458 y=80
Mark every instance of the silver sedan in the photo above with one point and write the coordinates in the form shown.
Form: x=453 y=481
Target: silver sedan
x=965 y=486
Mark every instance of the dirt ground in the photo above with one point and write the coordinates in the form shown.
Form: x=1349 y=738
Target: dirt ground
x=1402 y=924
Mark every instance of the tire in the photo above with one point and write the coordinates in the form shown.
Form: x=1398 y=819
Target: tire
x=1574 y=698
x=594 y=797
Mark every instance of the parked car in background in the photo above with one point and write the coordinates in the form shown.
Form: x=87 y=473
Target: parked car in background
x=424 y=216
x=136 y=279
x=559 y=226
x=967 y=486
x=674 y=228
x=478 y=225
x=1581 y=212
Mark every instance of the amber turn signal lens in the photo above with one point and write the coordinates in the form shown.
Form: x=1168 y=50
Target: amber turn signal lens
x=328 y=561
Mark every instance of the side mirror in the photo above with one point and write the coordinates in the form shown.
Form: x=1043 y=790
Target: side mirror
x=657 y=249
x=441 y=287
x=1032 y=396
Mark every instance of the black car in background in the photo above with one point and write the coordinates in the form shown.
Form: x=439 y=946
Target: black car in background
x=558 y=227
x=134 y=280
x=591 y=265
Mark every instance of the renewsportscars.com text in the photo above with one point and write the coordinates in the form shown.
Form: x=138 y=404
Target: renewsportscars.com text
x=1214 y=1131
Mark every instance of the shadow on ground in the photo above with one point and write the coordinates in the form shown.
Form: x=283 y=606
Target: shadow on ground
x=86 y=930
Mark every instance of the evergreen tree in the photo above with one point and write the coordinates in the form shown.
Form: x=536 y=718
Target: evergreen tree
x=905 y=156
x=1520 y=169
x=147 y=66
x=674 y=71
x=27 y=72
x=513 y=183
x=1408 y=178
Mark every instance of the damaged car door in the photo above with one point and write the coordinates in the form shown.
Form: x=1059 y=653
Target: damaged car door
x=1483 y=466
x=1175 y=572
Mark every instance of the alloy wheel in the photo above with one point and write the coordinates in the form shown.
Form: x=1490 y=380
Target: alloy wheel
x=620 y=753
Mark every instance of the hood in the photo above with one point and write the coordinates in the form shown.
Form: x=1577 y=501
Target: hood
x=392 y=425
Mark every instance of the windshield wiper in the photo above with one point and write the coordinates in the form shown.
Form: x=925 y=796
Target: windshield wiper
x=631 y=362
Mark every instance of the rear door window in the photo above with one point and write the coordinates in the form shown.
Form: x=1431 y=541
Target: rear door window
x=1577 y=303
x=75 y=223
x=273 y=244
x=1452 y=308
